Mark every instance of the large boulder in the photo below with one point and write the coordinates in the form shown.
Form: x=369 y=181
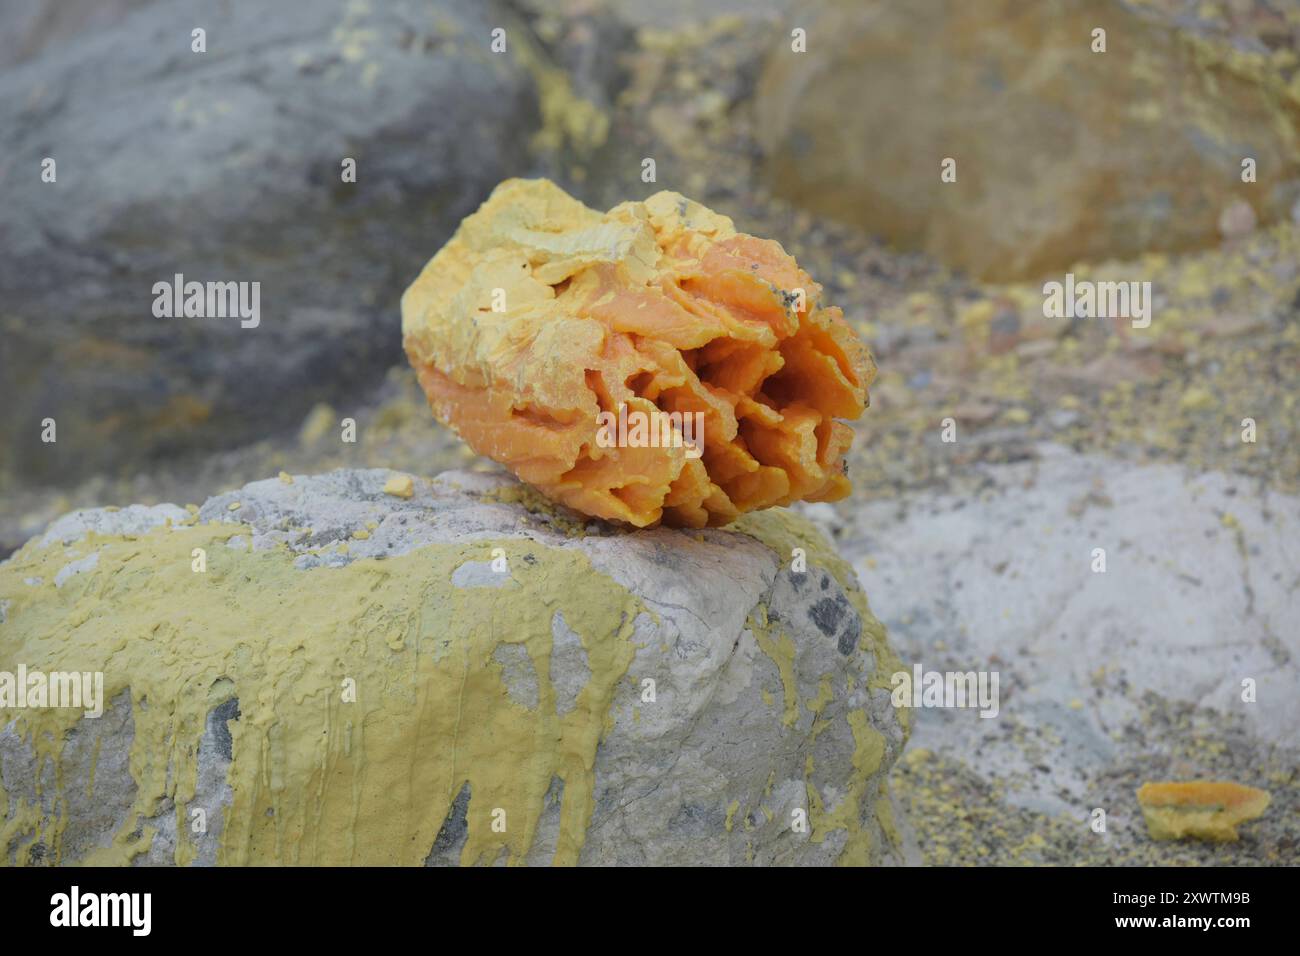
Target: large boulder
x=318 y=671
x=227 y=166
x=1062 y=154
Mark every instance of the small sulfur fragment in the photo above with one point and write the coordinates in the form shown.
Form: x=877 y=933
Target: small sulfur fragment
x=1200 y=809
x=642 y=365
x=400 y=486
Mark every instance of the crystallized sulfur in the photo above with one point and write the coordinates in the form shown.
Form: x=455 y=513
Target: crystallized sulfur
x=646 y=364
x=1202 y=809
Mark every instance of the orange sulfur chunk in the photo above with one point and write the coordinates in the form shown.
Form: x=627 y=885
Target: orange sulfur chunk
x=1203 y=809
x=546 y=334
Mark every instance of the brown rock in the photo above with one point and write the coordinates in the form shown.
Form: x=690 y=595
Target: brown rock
x=1062 y=154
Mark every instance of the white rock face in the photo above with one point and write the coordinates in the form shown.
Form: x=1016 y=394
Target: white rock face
x=1199 y=594
x=717 y=769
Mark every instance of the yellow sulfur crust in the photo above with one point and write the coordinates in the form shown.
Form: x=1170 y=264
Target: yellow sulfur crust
x=369 y=696
x=541 y=314
x=1202 y=809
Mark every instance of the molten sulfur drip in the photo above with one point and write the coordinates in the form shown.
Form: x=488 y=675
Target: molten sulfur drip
x=543 y=322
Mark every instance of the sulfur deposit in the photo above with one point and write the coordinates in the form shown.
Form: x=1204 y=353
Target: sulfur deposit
x=542 y=322
x=1201 y=809
x=469 y=681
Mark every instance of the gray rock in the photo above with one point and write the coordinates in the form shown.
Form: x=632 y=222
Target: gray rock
x=226 y=166
x=31 y=26
x=1107 y=679
x=715 y=770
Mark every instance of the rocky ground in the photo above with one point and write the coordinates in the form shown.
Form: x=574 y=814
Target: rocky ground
x=1070 y=435
x=1108 y=679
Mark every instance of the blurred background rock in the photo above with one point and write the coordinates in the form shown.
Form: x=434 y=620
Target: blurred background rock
x=1123 y=165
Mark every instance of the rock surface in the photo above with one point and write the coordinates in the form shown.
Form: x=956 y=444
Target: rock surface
x=1062 y=154
x=230 y=170
x=1108 y=679
x=499 y=652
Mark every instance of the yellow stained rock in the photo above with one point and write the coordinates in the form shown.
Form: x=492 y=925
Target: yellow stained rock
x=318 y=776
x=1201 y=809
x=400 y=486
x=642 y=365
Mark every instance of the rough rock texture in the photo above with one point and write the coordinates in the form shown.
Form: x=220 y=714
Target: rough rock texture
x=31 y=26
x=226 y=166
x=1108 y=680
x=1062 y=154
x=499 y=652
x=645 y=364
